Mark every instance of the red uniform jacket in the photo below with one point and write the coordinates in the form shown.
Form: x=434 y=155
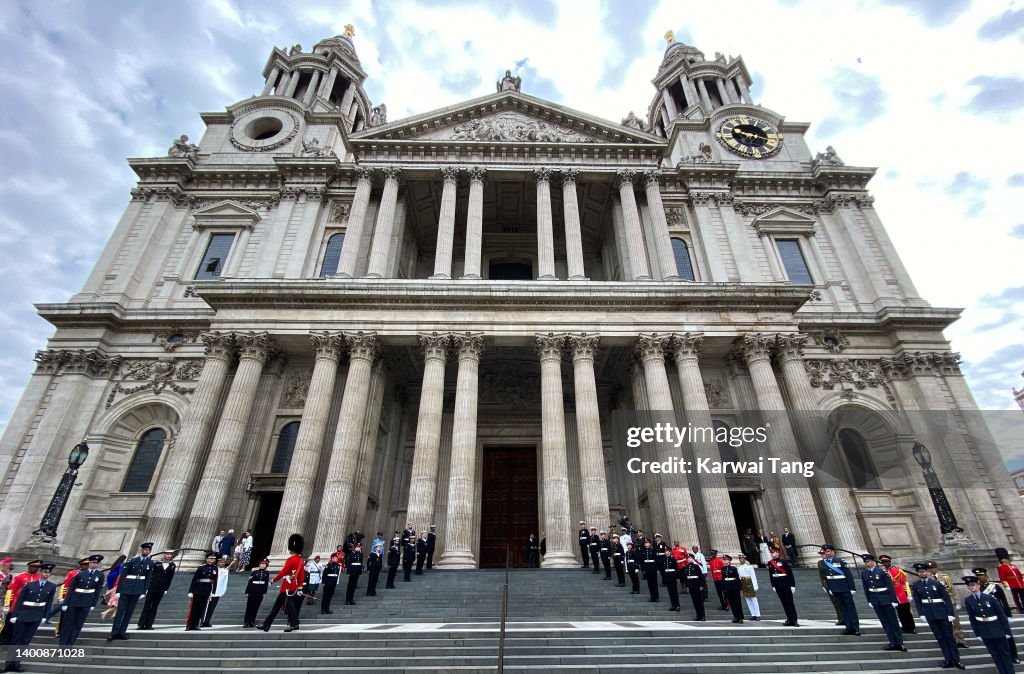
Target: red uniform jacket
x=679 y=553
x=18 y=582
x=292 y=564
x=716 y=565
x=899 y=582
x=1011 y=576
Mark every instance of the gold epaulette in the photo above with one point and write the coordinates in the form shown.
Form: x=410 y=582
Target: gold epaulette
x=7 y=599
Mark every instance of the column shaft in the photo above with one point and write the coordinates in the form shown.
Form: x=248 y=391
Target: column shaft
x=356 y=221
x=311 y=89
x=573 y=235
x=557 y=521
x=293 y=84
x=662 y=240
x=588 y=430
x=446 y=225
x=631 y=222
x=385 y=225
x=545 y=226
x=271 y=80
x=459 y=531
x=704 y=98
x=474 y=224
x=298 y=488
x=423 y=484
x=176 y=487
x=340 y=484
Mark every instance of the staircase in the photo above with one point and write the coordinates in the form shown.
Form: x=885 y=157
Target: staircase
x=557 y=620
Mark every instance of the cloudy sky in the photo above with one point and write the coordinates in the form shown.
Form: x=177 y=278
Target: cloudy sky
x=929 y=91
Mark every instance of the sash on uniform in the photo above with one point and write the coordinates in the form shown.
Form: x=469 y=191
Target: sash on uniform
x=830 y=565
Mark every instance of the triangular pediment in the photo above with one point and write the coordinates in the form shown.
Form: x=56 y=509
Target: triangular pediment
x=784 y=215
x=508 y=117
x=226 y=211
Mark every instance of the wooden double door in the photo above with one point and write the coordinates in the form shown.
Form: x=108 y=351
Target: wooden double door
x=509 y=510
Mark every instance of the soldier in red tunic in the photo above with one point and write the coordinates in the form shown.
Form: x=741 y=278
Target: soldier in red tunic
x=13 y=589
x=292 y=575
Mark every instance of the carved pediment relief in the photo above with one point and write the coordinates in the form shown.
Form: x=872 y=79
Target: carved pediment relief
x=510 y=127
x=784 y=221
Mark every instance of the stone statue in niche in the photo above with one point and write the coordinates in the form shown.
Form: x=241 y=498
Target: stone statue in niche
x=715 y=392
x=297 y=389
x=183 y=148
x=510 y=83
x=379 y=115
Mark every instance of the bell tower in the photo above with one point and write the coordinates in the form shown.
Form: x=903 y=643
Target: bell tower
x=693 y=87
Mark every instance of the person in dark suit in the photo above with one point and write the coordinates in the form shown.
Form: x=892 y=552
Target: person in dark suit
x=881 y=596
x=332 y=573
x=373 y=566
x=532 y=553
x=431 y=545
x=394 y=559
x=780 y=573
x=163 y=574
x=749 y=546
x=693 y=578
x=838 y=579
x=32 y=607
x=990 y=623
x=354 y=569
x=618 y=552
x=789 y=545
x=83 y=595
x=408 y=559
x=199 y=591
x=595 y=550
x=732 y=587
x=936 y=606
x=421 y=553
x=132 y=585
x=255 y=591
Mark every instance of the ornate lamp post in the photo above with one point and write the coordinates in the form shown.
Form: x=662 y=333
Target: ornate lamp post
x=48 y=527
x=947 y=520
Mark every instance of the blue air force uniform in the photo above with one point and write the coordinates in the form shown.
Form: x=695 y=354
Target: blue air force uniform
x=936 y=606
x=991 y=625
x=838 y=579
x=83 y=594
x=32 y=606
x=881 y=596
x=132 y=583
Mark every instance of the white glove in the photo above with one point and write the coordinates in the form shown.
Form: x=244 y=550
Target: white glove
x=829 y=592
x=117 y=595
x=64 y=607
x=46 y=621
x=142 y=595
x=958 y=607
x=951 y=618
x=793 y=589
x=1009 y=636
x=91 y=607
x=13 y=620
x=895 y=605
x=189 y=595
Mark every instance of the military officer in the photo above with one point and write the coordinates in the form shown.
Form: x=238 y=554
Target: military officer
x=394 y=558
x=669 y=574
x=163 y=574
x=732 y=587
x=881 y=596
x=83 y=595
x=11 y=596
x=132 y=584
x=62 y=593
x=649 y=564
x=292 y=576
x=373 y=565
x=824 y=586
x=838 y=578
x=32 y=606
x=421 y=553
x=255 y=591
x=936 y=606
x=631 y=565
x=408 y=558
x=199 y=591
x=990 y=624
x=408 y=533
x=780 y=574
x=995 y=590
x=331 y=573
x=595 y=549
x=618 y=552
x=664 y=553
x=431 y=545
x=606 y=555
x=902 y=587
x=693 y=577
x=584 y=539
x=354 y=568
x=958 y=630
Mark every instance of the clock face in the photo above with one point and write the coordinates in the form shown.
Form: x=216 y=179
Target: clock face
x=749 y=136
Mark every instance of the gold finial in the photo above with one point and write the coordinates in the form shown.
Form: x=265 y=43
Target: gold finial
x=670 y=37
x=350 y=31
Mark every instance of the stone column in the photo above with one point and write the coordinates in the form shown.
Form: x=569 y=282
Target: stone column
x=723 y=93
x=253 y=350
x=271 y=80
x=744 y=91
x=175 y=489
x=588 y=429
x=298 y=488
x=721 y=523
x=662 y=240
x=545 y=226
x=346 y=99
x=459 y=530
x=474 y=223
x=327 y=85
x=796 y=493
x=311 y=89
x=702 y=89
x=573 y=235
x=385 y=224
x=675 y=491
x=555 y=480
x=690 y=89
x=446 y=224
x=356 y=221
x=341 y=472
x=670 y=105
x=293 y=84
x=832 y=493
x=423 y=483
x=631 y=222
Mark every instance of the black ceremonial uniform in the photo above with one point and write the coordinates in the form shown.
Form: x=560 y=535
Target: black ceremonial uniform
x=584 y=538
x=373 y=571
x=163 y=574
x=669 y=573
x=421 y=555
x=693 y=577
x=431 y=546
x=408 y=559
x=394 y=558
x=255 y=591
x=618 y=553
x=331 y=573
x=595 y=552
x=407 y=534
x=663 y=552
x=201 y=587
x=354 y=568
x=84 y=593
x=32 y=606
x=132 y=583
x=732 y=585
x=631 y=565
x=606 y=557
x=649 y=564
x=780 y=573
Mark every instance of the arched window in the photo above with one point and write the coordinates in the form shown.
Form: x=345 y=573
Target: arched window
x=862 y=472
x=684 y=267
x=147 y=456
x=285 y=446
x=726 y=451
x=332 y=255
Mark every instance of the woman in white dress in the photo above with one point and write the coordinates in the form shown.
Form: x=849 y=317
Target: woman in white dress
x=763 y=550
x=313 y=572
x=748 y=587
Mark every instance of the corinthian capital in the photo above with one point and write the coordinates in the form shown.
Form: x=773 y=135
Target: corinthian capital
x=435 y=345
x=362 y=345
x=255 y=345
x=550 y=346
x=569 y=175
x=757 y=347
x=327 y=344
x=652 y=347
x=542 y=174
x=687 y=345
x=624 y=177
x=450 y=174
x=392 y=173
x=364 y=173
x=651 y=178
x=219 y=345
x=790 y=347
x=477 y=174
x=584 y=346
x=470 y=345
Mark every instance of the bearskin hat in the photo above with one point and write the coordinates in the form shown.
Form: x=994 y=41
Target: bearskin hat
x=1002 y=553
x=296 y=543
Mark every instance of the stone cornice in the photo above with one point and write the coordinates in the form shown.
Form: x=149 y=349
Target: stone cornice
x=116 y=316
x=887 y=318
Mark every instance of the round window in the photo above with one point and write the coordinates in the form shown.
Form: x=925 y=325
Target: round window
x=263 y=128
